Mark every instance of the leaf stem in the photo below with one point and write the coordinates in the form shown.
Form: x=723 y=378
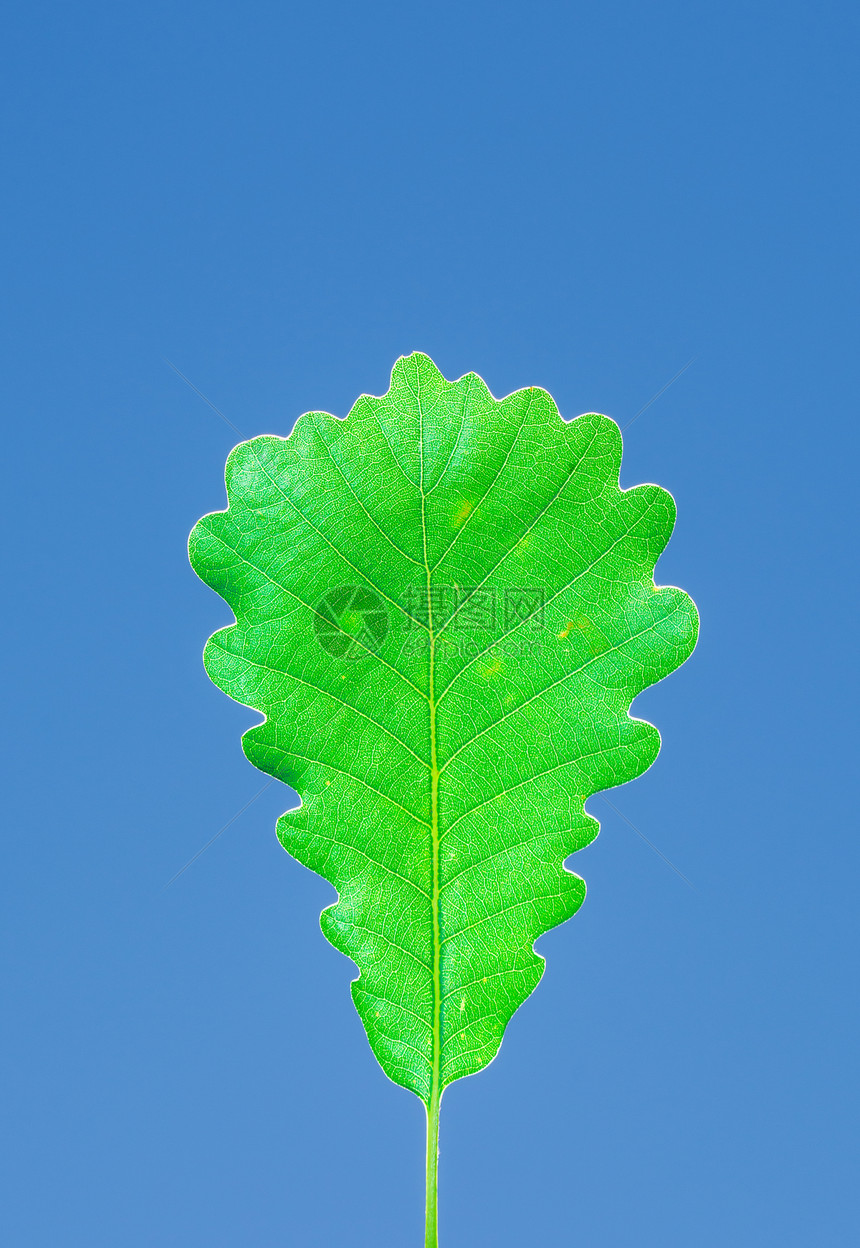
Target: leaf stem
x=431 y=1237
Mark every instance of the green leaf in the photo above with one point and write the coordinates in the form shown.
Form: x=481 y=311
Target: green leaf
x=444 y=606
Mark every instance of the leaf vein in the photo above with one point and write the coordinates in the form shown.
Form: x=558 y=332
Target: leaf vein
x=358 y=571
x=279 y=749
x=577 y=671
x=511 y=549
x=277 y=671
x=369 y=515
x=277 y=584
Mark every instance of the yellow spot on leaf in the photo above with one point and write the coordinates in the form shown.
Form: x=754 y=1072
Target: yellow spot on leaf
x=492 y=669
x=582 y=622
x=462 y=512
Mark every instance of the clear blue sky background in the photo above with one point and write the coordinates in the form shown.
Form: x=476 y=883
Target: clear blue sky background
x=281 y=199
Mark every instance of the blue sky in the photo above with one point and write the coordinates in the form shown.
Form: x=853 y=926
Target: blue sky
x=281 y=199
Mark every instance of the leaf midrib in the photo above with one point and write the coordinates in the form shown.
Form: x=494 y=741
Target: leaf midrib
x=435 y=838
